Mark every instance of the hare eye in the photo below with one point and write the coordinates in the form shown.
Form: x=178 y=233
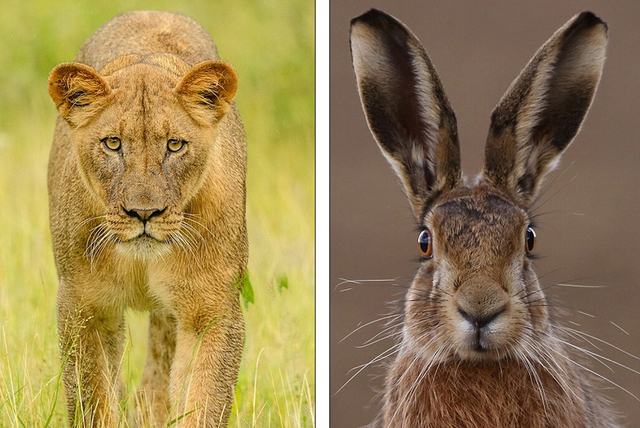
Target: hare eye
x=175 y=145
x=111 y=143
x=424 y=241
x=529 y=240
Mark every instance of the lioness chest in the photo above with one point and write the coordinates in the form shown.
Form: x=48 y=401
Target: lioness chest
x=127 y=283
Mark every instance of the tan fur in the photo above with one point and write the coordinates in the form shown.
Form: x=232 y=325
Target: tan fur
x=146 y=228
x=478 y=348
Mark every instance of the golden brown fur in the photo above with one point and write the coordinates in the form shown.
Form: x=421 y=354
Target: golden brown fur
x=477 y=346
x=147 y=205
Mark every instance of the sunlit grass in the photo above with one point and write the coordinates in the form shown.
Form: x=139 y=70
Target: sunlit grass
x=271 y=45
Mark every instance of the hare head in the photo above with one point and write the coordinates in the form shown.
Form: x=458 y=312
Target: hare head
x=475 y=297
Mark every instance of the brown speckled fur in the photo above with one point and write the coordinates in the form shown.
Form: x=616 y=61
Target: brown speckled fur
x=146 y=78
x=477 y=347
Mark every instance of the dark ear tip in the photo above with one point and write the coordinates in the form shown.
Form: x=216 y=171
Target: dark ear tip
x=589 y=19
x=367 y=17
x=382 y=23
x=374 y=18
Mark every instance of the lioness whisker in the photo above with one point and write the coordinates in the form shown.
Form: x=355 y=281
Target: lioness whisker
x=186 y=247
x=94 y=236
x=85 y=221
x=199 y=224
x=101 y=245
x=190 y=231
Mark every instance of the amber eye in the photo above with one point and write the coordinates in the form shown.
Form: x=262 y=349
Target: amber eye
x=176 y=145
x=112 y=143
x=529 y=240
x=424 y=241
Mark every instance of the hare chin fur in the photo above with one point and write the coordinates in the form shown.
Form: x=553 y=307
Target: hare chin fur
x=477 y=346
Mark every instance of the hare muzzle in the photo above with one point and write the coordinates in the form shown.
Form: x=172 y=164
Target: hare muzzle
x=483 y=311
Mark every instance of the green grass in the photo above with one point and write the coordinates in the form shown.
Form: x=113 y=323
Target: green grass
x=271 y=45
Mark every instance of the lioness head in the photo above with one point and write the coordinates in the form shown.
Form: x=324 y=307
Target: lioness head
x=143 y=130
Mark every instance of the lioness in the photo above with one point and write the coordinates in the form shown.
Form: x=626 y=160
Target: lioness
x=147 y=204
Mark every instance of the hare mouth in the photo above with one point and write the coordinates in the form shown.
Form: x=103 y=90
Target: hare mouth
x=479 y=343
x=482 y=346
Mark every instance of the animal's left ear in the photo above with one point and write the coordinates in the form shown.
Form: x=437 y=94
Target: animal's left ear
x=542 y=111
x=207 y=90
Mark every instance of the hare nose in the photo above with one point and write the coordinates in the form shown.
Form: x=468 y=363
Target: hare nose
x=144 y=214
x=479 y=321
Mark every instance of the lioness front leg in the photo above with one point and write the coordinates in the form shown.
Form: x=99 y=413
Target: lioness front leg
x=205 y=367
x=91 y=352
x=153 y=395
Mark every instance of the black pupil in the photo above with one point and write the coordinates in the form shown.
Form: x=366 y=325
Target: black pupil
x=424 y=241
x=530 y=239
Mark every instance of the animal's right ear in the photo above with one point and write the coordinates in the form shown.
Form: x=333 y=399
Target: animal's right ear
x=77 y=90
x=406 y=108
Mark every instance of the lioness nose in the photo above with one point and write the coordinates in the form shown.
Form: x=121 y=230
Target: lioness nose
x=144 y=214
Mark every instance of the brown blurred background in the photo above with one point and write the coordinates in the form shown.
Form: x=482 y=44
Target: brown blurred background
x=588 y=232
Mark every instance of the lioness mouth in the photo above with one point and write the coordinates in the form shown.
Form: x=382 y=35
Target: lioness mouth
x=145 y=236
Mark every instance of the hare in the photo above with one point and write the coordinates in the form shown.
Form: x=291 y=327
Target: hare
x=477 y=347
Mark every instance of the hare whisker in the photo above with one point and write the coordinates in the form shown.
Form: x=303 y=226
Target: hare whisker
x=597 y=339
x=344 y=281
x=388 y=352
x=598 y=375
x=377 y=320
x=576 y=336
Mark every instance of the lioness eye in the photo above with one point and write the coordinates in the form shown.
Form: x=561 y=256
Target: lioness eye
x=111 y=143
x=424 y=241
x=175 y=145
x=529 y=240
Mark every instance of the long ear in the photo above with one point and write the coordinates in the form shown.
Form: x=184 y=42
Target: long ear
x=406 y=108
x=543 y=109
x=78 y=92
x=207 y=91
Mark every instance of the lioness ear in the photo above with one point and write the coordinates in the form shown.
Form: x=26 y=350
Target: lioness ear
x=77 y=91
x=207 y=90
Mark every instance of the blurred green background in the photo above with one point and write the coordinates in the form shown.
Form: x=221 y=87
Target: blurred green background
x=271 y=45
